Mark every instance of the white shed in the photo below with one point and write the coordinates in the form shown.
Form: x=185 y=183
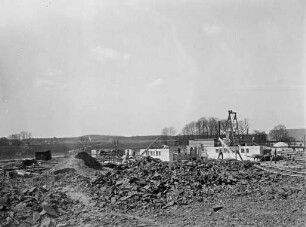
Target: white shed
x=95 y=153
x=164 y=154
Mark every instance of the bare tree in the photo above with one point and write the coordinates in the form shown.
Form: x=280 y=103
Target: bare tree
x=4 y=141
x=243 y=127
x=172 y=131
x=192 y=128
x=185 y=130
x=14 y=136
x=165 y=132
x=21 y=136
x=213 y=126
x=203 y=123
x=246 y=123
x=115 y=142
x=25 y=135
x=223 y=126
x=279 y=133
x=84 y=143
x=23 y=139
x=199 y=127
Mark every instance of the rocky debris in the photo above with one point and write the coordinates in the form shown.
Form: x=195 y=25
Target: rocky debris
x=49 y=210
x=23 y=164
x=147 y=192
x=32 y=205
x=151 y=184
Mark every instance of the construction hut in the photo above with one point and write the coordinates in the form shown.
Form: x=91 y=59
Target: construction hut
x=196 y=148
x=281 y=147
x=164 y=154
x=95 y=153
x=43 y=155
x=130 y=152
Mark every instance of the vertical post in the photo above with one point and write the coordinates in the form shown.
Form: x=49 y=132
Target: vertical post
x=304 y=143
x=219 y=128
x=223 y=152
x=236 y=155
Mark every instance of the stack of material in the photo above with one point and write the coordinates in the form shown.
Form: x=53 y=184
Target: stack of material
x=300 y=157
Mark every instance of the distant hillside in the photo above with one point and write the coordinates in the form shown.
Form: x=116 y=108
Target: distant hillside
x=106 y=141
x=125 y=142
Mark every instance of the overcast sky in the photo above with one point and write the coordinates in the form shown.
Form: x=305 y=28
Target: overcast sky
x=69 y=68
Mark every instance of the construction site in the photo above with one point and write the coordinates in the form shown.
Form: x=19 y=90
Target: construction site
x=168 y=113
x=222 y=181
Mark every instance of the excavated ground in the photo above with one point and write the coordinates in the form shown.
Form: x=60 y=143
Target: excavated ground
x=148 y=192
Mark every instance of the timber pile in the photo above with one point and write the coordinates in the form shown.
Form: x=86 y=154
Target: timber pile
x=298 y=156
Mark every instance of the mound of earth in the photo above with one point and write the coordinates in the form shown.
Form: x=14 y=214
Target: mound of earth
x=82 y=163
x=88 y=160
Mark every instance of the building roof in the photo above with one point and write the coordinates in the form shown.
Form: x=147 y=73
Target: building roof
x=280 y=144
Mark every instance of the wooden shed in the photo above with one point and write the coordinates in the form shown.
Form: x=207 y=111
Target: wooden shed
x=43 y=155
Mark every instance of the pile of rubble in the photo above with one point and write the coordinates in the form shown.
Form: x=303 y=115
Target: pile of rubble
x=141 y=185
x=150 y=184
x=30 y=206
x=36 y=198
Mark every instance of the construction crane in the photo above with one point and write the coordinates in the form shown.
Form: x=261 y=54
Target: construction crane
x=232 y=135
x=232 y=130
x=150 y=145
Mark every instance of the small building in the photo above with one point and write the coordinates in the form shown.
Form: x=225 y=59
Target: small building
x=196 y=147
x=130 y=152
x=246 y=152
x=202 y=143
x=164 y=154
x=95 y=153
x=43 y=155
x=282 y=148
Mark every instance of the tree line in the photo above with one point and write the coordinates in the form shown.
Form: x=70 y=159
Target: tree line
x=207 y=127
x=280 y=133
x=17 y=139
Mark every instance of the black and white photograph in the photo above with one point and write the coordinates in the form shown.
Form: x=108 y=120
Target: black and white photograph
x=152 y=113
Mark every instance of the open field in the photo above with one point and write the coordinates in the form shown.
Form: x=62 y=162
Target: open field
x=17 y=152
